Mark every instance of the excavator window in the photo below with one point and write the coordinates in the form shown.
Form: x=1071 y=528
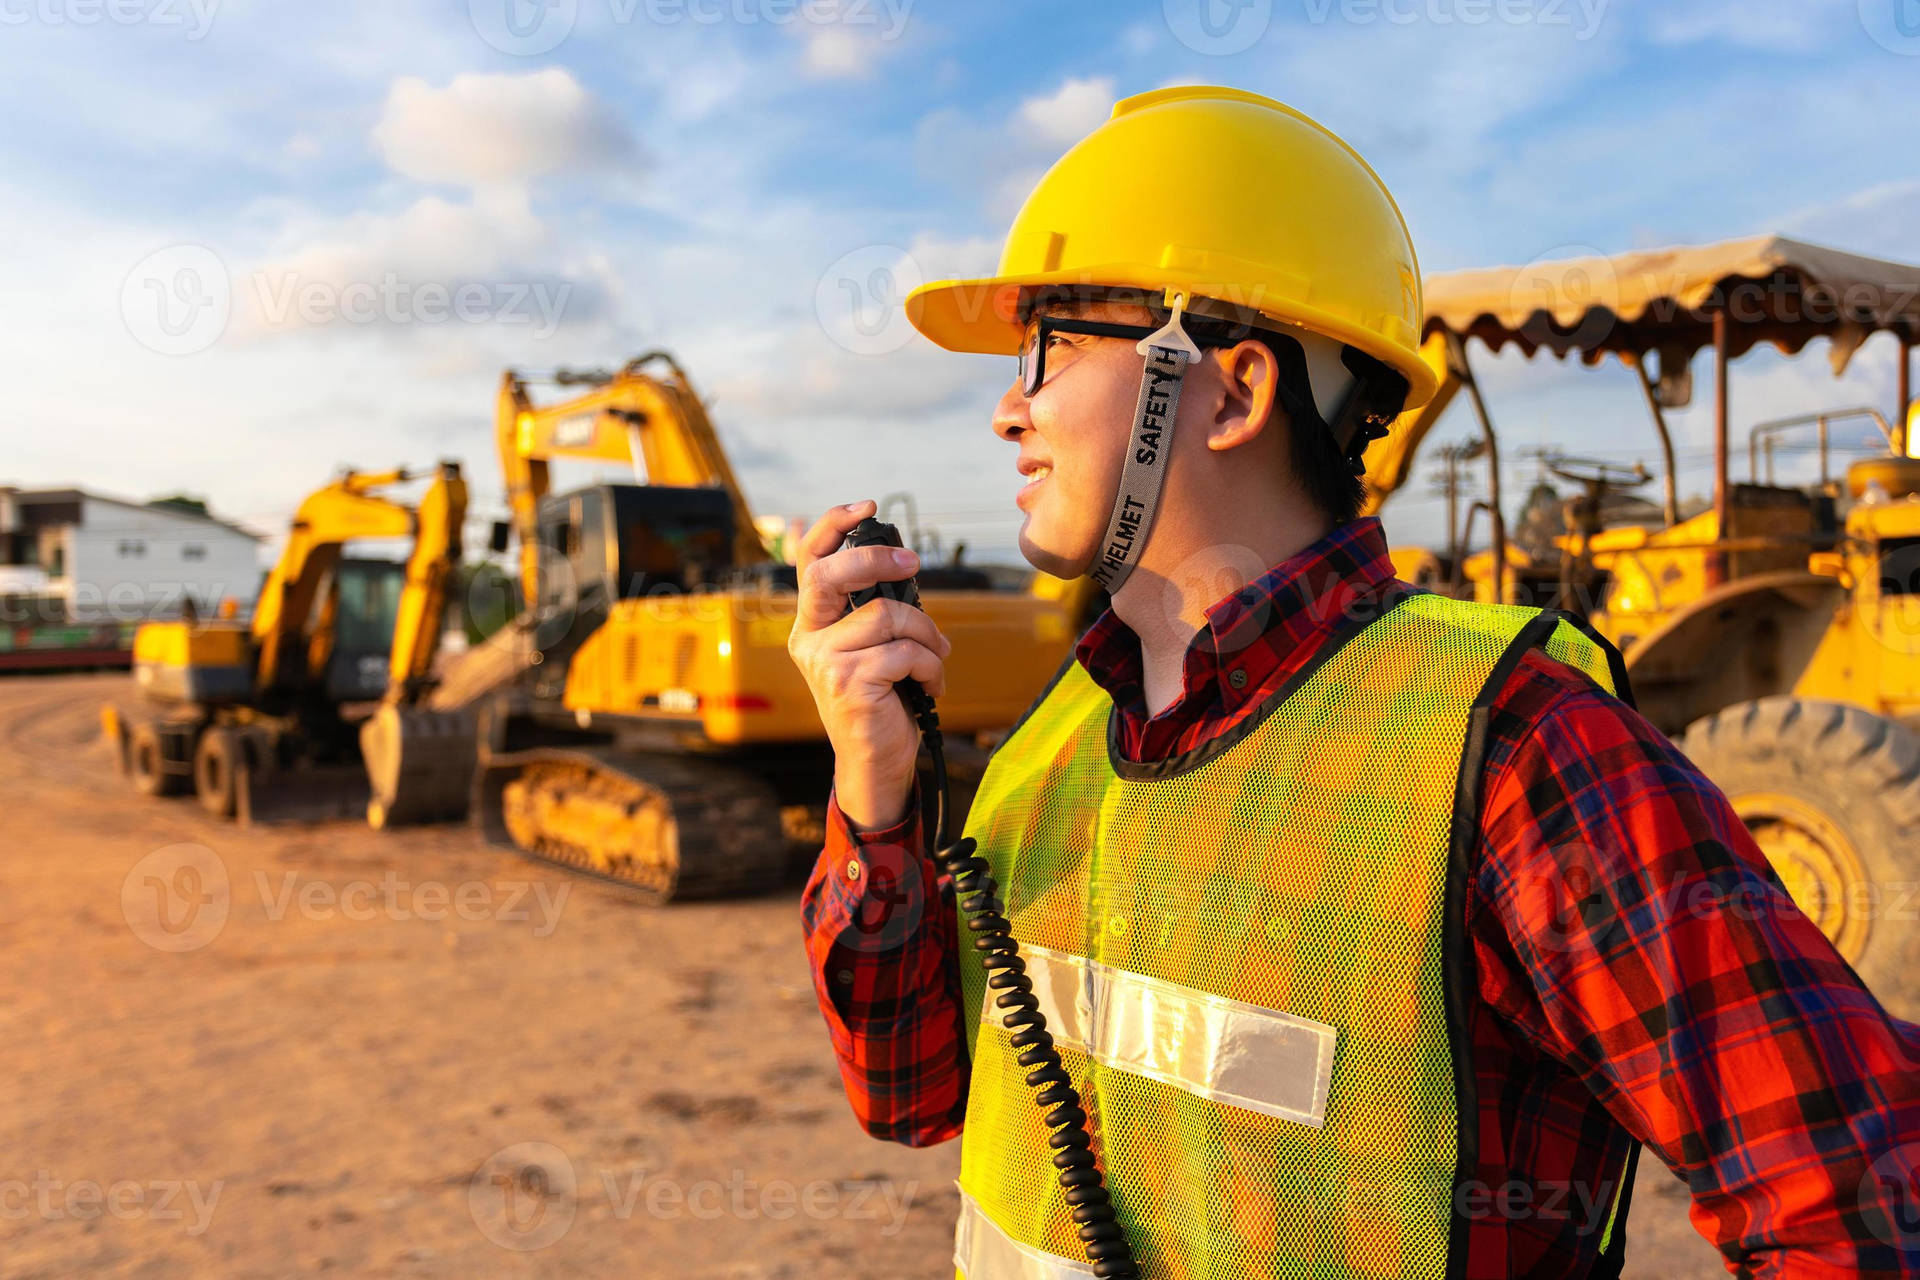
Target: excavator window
x=1900 y=567
x=672 y=539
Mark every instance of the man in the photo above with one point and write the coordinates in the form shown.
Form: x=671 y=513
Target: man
x=1368 y=925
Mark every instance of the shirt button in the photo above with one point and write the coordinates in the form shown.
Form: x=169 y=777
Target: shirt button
x=853 y=868
x=1237 y=678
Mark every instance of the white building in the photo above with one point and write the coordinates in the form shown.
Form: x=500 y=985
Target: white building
x=108 y=560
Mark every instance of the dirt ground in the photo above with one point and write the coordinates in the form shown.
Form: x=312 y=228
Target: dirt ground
x=280 y=1051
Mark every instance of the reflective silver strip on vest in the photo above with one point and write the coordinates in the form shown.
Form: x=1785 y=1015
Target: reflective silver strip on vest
x=1232 y=1052
x=982 y=1251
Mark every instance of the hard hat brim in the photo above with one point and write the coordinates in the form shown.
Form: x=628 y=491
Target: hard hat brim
x=982 y=315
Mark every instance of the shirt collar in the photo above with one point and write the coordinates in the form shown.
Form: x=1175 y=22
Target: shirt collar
x=1252 y=632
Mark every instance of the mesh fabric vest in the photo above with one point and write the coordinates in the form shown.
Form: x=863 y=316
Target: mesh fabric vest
x=1245 y=955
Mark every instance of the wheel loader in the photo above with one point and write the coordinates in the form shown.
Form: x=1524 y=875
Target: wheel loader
x=252 y=716
x=641 y=719
x=1776 y=633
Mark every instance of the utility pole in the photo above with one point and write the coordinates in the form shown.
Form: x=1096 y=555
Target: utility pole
x=1448 y=480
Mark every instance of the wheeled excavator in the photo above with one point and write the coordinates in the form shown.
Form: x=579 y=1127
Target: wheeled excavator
x=641 y=720
x=246 y=714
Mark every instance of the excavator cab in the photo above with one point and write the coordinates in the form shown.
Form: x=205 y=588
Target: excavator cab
x=611 y=542
x=366 y=611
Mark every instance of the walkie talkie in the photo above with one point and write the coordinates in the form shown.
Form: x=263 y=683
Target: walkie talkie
x=878 y=533
x=1101 y=1234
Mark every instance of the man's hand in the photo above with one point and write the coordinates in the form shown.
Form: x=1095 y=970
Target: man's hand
x=851 y=661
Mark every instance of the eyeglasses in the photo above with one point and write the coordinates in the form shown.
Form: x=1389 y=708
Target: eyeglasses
x=1033 y=356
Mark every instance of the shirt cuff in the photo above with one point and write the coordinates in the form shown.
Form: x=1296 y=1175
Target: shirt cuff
x=900 y=832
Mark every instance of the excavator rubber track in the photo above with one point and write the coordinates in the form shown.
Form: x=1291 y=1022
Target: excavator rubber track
x=667 y=827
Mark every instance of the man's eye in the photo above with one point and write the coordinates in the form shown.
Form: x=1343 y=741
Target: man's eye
x=1054 y=338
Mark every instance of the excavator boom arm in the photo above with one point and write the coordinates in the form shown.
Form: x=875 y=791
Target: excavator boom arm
x=633 y=415
x=423 y=601
x=330 y=517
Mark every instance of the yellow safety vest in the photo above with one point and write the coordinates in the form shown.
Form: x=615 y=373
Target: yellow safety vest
x=1251 y=959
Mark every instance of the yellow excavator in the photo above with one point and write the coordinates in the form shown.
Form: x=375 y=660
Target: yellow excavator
x=641 y=720
x=1776 y=632
x=248 y=715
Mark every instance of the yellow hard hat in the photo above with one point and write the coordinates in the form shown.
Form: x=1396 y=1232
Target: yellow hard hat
x=1220 y=194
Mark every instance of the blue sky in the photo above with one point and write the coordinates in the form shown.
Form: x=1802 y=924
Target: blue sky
x=751 y=183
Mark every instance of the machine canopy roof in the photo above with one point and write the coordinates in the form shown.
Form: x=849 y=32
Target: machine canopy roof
x=1774 y=290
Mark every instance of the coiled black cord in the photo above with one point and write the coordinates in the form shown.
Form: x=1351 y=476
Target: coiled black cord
x=1101 y=1234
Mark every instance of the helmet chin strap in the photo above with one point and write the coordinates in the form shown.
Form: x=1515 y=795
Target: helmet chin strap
x=1149 y=447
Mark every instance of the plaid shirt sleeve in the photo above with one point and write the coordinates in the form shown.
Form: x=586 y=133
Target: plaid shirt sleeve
x=879 y=931
x=1631 y=930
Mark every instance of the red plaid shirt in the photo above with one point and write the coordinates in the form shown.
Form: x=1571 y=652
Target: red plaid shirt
x=1641 y=973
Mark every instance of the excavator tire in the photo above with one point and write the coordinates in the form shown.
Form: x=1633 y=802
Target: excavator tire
x=151 y=764
x=667 y=827
x=1831 y=793
x=420 y=764
x=217 y=771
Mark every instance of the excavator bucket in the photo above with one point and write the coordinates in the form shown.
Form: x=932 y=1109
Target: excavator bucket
x=419 y=764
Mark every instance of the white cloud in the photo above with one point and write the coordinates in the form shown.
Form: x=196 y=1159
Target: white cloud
x=997 y=162
x=1070 y=112
x=843 y=40
x=406 y=270
x=499 y=128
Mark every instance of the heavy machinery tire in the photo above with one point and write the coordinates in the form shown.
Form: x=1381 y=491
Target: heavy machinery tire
x=216 y=771
x=1832 y=794
x=147 y=762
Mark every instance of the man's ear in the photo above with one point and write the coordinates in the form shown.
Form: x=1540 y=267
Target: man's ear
x=1246 y=404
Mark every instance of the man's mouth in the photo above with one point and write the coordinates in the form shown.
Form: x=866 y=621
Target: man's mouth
x=1037 y=475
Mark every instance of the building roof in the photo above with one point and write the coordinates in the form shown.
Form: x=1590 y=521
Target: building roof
x=72 y=496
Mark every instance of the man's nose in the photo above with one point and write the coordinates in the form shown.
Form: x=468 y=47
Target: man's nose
x=1010 y=416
